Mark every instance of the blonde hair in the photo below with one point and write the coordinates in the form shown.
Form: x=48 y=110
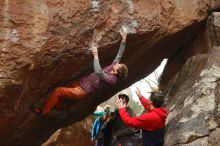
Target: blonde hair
x=122 y=71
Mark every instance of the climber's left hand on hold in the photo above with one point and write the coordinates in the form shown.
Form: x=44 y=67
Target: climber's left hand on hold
x=94 y=51
x=123 y=35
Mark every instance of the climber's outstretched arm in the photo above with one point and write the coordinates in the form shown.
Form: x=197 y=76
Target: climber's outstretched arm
x=122 y=47
x=97 y=68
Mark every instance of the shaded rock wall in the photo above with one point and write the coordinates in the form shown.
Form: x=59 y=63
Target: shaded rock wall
x=78 y=134
x=45 y=44
x=193 y=92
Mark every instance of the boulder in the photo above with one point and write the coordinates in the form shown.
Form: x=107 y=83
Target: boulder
x=45 y=44
x=193 y=92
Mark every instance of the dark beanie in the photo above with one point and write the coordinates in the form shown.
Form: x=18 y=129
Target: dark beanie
x=124 y=95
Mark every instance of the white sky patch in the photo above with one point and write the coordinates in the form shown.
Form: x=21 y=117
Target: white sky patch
x=144 y=86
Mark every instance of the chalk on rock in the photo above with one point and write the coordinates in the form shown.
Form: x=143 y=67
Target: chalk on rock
x=124 y=29
x=94 y=45
x=95 y=5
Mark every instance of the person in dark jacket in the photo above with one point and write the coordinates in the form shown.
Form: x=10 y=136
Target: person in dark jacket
x=107 y=129
x=122 y=134
x=94 y=82
x=152 y=122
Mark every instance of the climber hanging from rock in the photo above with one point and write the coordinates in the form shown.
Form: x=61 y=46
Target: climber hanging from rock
x=96 y=81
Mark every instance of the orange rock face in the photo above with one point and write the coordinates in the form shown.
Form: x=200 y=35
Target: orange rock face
x=78 y=134
x=45 y=44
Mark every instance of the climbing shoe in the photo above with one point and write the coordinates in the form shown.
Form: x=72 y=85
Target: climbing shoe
x=36 y=110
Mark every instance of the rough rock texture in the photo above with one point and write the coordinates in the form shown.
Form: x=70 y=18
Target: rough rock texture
x=78 y=134
x=45 y=43
x=193 y=92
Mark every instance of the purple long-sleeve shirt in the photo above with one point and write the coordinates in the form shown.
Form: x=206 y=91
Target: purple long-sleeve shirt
x=93 y=82
x=101 y=77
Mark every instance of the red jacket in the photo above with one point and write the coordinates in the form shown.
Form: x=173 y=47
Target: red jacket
x=150 y=121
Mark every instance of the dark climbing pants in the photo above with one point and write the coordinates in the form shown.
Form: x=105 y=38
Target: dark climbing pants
x=153 y=138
